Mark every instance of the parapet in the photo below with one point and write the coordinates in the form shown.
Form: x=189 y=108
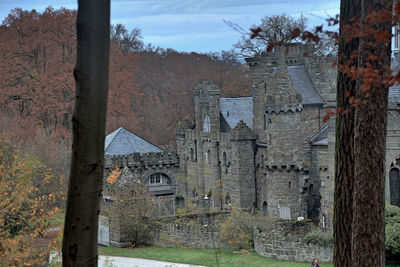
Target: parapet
x=206 y=88
x=292 y=53
x=242 y=132
x=140 y=161
x=287 y=167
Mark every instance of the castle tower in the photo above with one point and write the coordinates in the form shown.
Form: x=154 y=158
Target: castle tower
x=207 y=119
x=243 y=191
x=278 y=124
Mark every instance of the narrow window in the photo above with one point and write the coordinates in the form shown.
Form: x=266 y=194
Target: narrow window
x=206 y=124
x=227 y=199
x=265 y=122
x=224 y=159
x=195 y=150
x=262 y=161
x=265 y=208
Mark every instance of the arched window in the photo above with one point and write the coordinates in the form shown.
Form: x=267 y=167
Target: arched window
x=206 y=124
x=158 y=179
x=191 y=154
x=227 y=199
x=265 y=208
x=394 y=182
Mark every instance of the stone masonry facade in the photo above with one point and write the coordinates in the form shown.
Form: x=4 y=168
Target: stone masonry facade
x=270 y=151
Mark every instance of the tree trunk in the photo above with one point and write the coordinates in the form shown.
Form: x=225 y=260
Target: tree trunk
x=368 y=233
x=344 y=155
x=86 y=177
x=360 y=141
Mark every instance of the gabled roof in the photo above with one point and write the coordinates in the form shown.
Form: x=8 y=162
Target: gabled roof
x=303 y=84
x=123 y=142
x=236 y=109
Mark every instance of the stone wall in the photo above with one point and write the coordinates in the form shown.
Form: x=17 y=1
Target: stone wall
x=283 y=240
x=142 y=166
x=198 y=231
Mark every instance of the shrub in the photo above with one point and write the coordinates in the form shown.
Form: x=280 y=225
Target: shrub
x=392 y=214
x=132 y=210
x=392 y=231
x=392 y=242
x=318 y=237
x=237 y=230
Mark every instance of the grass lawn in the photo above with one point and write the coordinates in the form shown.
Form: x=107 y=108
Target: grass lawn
x=57 y=219
x=207 y=257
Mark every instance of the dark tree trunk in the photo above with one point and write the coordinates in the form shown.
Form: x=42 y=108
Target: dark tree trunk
x=86 y=177
x=360 y=141
x=368 y=233
x=344 y=155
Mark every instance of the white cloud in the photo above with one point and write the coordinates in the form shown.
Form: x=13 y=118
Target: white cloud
x=184 y=23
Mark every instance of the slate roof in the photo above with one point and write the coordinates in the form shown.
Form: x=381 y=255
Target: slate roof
x=123 y=142
x=322 y=142
x=394 y=95
x=303 y=84
x=320 y=135
x=234 y=110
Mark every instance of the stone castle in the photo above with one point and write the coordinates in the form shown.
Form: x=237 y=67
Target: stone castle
x=270 y=151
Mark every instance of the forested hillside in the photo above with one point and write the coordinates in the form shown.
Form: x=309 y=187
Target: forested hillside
x=151 y=89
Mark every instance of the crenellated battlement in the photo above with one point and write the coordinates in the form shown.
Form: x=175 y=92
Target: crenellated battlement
x=293 y=54
x=141 y=161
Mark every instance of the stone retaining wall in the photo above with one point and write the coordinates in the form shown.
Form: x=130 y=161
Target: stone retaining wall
x=284 y=240
x=198 y=231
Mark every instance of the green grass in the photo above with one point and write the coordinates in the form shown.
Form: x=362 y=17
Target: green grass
x=207 y=257
x=57 y=219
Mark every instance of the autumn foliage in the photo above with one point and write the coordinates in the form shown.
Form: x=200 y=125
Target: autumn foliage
x=150 y=90
x=27 y=198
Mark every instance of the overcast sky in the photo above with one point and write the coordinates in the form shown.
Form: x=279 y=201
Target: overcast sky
x=192 y=25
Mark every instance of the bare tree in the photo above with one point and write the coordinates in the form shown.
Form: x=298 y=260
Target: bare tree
x=277 y=29
x=129 y=41
x=86 y=177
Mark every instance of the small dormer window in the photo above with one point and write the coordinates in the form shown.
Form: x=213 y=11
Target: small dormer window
x=207 y=124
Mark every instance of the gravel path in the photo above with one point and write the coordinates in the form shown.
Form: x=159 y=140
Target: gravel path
x=114 y=261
